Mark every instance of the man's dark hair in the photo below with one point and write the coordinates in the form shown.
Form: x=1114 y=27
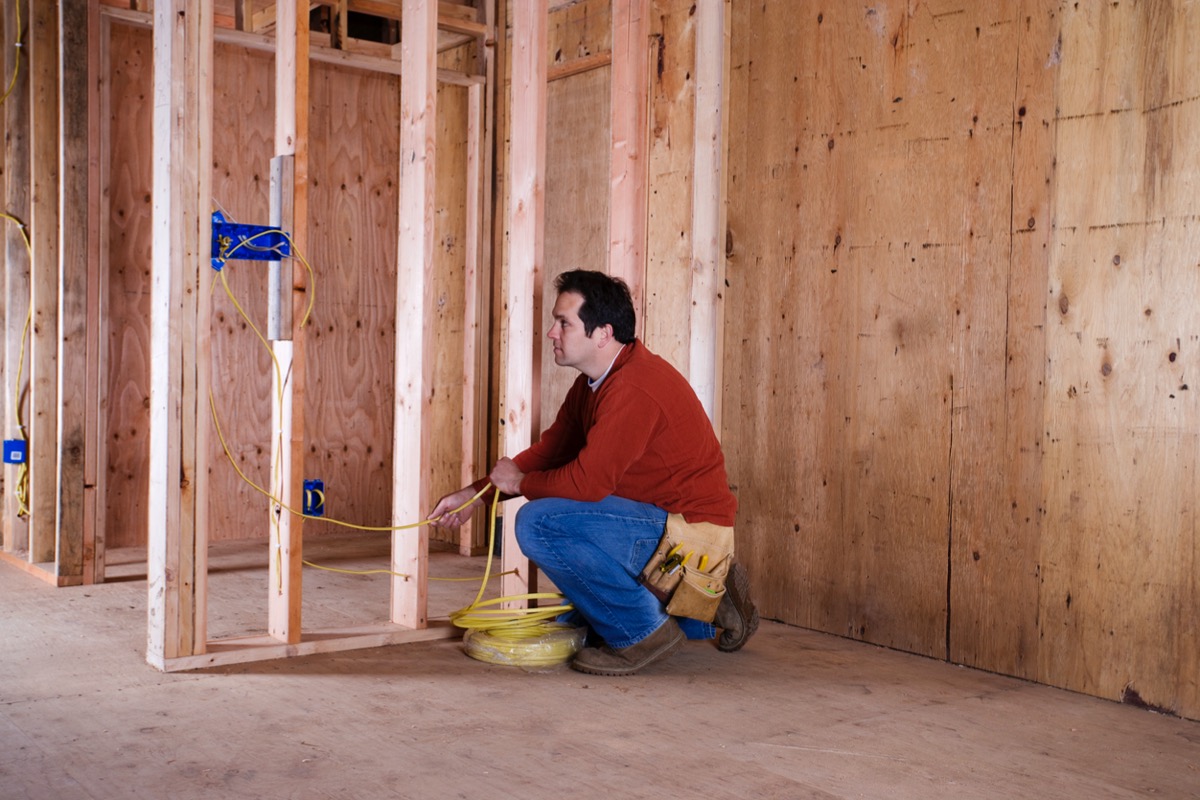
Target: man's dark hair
x=606 y=301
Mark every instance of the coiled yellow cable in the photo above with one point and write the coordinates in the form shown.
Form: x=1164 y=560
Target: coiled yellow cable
x=499 y=631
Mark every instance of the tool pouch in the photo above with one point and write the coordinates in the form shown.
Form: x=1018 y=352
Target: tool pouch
x=673 y=573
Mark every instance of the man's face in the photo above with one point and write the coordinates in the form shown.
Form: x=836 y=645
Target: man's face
x=572 y=346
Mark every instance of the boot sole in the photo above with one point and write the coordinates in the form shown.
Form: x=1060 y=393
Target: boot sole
x=738 y=586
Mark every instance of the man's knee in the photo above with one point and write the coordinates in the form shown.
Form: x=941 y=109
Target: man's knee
x=529 y=518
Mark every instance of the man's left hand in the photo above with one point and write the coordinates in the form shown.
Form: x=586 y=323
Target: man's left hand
x=506 y=476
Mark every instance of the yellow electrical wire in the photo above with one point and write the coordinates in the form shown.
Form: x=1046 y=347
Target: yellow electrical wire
x=343 y=571
x=483 y=615
x=357 y=571
x=522 y=636
x=21 y=492
x=223 y=257
x=280 y=383
x=284 y=506
x=527 y=637
x=12 y=83
x=296 y=254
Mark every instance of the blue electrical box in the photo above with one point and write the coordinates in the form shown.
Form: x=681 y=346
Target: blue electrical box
x=232 y=240
x=15 y=451
x=314 y=498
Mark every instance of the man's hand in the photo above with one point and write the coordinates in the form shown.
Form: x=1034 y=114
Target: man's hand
x=506 y=476
x=444 y=514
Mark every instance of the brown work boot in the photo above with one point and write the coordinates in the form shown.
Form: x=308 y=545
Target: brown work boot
x=736 y=615
x=606 y=660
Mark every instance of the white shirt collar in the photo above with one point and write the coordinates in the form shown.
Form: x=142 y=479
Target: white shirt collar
x=595 y=384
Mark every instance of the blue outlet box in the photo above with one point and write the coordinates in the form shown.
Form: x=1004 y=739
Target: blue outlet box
x=314 y=498
x=15 y=451
x=231 y=240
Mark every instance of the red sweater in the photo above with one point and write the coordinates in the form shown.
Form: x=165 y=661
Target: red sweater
x=643 y=435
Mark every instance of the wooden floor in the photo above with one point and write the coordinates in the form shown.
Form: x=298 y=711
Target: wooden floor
x=795 y=715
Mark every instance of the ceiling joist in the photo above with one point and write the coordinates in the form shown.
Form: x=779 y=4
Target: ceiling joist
x=457 y=23
x=252 y=23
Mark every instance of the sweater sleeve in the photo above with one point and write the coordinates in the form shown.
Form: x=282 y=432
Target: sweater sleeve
x=624 y=425
x=562 y=441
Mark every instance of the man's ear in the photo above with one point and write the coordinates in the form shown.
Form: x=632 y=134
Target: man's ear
x=606 y=334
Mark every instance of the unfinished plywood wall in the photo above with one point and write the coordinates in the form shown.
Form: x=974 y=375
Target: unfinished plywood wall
x=448 y=287
x=243 y=146
x=577 y=167
x=353 y=207
x=578 y=179
x=1120 y=554
x=354 y=146
x=127 y=286
x=579 y=183
x=961 y=328
x=14 y=529
x=671 y=153
x=844 y=304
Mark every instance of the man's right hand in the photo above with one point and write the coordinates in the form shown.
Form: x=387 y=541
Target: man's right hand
x=444 y=514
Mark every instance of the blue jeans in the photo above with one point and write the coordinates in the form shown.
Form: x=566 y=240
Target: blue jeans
x=594 y=553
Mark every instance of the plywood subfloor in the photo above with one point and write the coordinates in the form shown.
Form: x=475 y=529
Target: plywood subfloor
x=796 y=715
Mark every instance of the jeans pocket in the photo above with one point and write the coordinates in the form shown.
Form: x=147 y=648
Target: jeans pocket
x=641 y=552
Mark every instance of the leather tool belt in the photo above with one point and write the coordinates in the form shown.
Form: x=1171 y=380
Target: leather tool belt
x=687 y=571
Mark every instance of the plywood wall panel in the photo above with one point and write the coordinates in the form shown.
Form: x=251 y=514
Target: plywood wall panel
x=577 y=176
x=242 y=149
x=577 y=30
x=998 y=465
x=578 y=137
x=448 y=288
x=127 y=285
x=243 y=144
x=668 y=285
x=869 y=203
x=577 y=140
x=353 y=200
x=14 y=529
x=1119 y=598
x=577 y=172
x=353 y=196
x=961 y=325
